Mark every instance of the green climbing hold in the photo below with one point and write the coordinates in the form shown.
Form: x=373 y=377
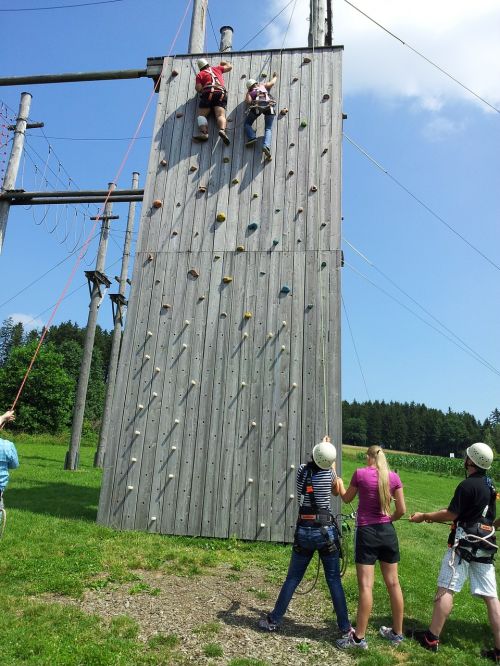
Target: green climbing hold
x=253 y=226
x=303 y=123
x=323 y=264
x=275 y=241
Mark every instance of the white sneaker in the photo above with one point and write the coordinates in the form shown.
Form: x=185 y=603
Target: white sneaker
x=348 y=642
x=389 y=635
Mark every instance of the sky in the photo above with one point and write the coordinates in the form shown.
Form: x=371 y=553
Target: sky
x=420 y=195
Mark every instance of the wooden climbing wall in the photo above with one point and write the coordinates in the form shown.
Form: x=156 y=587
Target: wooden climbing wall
x=232 y=326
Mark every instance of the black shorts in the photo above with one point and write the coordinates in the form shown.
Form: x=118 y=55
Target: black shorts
x=209 y=100
x=376 y=542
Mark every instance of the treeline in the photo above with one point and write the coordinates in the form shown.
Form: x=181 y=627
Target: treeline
x=416 y=428
x=48 y=397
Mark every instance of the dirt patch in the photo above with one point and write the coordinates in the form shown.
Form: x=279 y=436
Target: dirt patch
x=222 y=609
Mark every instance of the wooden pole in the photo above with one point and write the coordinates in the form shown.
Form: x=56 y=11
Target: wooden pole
x=72 y=456
x=9 y=181
x=119 y=303
x=198 y=23
x=226 y=39
x=329 y=24
x=317 y=23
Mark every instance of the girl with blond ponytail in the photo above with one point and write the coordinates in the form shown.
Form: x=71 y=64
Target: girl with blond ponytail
x=375 y=539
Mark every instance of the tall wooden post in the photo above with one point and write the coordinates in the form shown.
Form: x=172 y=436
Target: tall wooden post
x=329 y=24
x=9 y=180
x=97 y=280
x=317 y=23
x=119 y=303
x=198 y=23
x=226 y=39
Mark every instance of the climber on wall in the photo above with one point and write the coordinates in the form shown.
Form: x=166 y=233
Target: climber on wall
x=212 y=95
x=260 y=102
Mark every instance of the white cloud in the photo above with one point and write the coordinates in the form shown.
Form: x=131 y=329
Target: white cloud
x=458 y=35
x=28 y=321
x=440 y=128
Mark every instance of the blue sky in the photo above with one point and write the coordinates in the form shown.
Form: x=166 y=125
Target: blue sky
x=431 y=135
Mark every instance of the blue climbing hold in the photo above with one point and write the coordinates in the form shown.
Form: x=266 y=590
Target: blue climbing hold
x=252 y=226
x=285 y=289
x=275 y=241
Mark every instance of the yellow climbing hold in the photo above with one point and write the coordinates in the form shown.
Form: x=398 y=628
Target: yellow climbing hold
x=220 y=217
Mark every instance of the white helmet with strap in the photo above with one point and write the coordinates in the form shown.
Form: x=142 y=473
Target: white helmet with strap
x=480 y=454
x=202 y=63
x=250 y=83
x=324 y=455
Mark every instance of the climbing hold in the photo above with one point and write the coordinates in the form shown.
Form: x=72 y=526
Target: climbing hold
x=326 y=96
x=152 y=519
x=170 y=476
x=285 y=289
x=193 y=168
x=310 y=306
x=184 y=345
x=280 y=425
x=314 y=188
x=194 y=273
x=243 y=76
x=157 y=203
x=262 y=272
x=283 y=348
x=277 y=210
x=166 y=306
x=217 y=256
x=299 y=240
x=227 y=279
x=300 y=210
x=325 y=150
x=133 y=460
x=130 y=487
x=255 y=195
x=225 y=160
x=235 y=181
x=323 y=264
x=247 y=315
x=223 y=314
x=263 y=524
x=155 y=395
x=179 y=114
x=137 y=432
x=283 y=112
x=178 y=204
x=150 y=257
x=220 y=217
x=140 y=406
x=174 y=73
x=263 y=75
x=243 y=384
x=306 y=60
x=252 y=226
x=202 y=297
x=323 y=224
x=303 y=123
x=149 y=334
x=193 y=382
x=283 y=323
x=292 y=145
x=173 y=447
x=202 y=189
x=176 y=421
x=157 y=369
x=186 y=322
x=174 y=233
x=164 y=162
x=245 y=335
x=275 y=241
x=294 y=385
x=253 y=424
x=291 y=172
x=270 y=335
x=292 y=496
x=147 y=357
x=292 y=466
x=250 y=480
x=240 y=248
x=295 y=79
x=196 y=234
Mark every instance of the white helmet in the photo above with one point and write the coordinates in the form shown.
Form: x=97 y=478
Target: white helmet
x=202 y=63
x=480 y=454
x=324 y=454
x=250 y=83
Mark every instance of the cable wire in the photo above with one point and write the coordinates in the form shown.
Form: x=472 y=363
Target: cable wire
x=266 y=26
x=213 y=29
x=421 y=55
x=422 y=203
x=355 y=347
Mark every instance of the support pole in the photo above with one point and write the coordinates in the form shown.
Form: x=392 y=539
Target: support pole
x=119 y=304
x=329 y=24
x=97 y=278
x=9 y=181
x=226 y=39
x=317 y=23
x=198 y=24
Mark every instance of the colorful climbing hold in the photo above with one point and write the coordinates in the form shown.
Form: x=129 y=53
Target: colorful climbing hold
x=291 y=172
x=174 y=73
x=166 y=306
x=247 y=315
x=306 y=60
x=235 y=181
x=193 y=168
x=227 y=279
x=220 y=217
x=225 y=160
x=285 y=289
x=314 y=188
x=202 y=189
x=326 y=96
x=303 y=123
x=283 y=111
x=275 y=241
x=240 y=248
x=323 y=264
x=252 y=226
x=157 y=203
x=194 y=273
x=255 y=195
x=300 y=210
x=164 y=162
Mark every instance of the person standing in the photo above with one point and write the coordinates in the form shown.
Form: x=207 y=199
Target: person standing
x=259 y=102
x=375 y=539
x=471 y=549
x=8 y=455
x=212 y=95
x=316 y=531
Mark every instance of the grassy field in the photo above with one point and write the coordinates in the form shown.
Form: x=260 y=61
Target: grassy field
x=52 y=546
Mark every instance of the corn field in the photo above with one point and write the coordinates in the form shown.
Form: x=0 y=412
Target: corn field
x=437 y=464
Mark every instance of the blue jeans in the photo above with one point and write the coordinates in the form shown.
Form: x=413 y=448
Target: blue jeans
x=268 y=131
x=312 y=539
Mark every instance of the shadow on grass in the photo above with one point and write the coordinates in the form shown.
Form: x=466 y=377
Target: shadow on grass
x=62 y=500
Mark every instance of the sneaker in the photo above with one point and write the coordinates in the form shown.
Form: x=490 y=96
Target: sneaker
x=348 y=642
x=267 y=624
x=267 y=153
x=224 y=137
x=200 y=137
x=428 y=643
x=389 y=635
x=492 y=655
x=250 y=142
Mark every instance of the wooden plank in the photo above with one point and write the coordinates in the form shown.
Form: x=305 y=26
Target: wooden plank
x=308 y=388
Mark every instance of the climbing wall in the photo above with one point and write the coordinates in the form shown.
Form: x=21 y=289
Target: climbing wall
x=233 y=321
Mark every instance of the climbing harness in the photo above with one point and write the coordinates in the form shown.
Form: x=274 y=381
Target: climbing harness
x=215 y=87
x=262 y=100
x=3 y=516
x=471 y=537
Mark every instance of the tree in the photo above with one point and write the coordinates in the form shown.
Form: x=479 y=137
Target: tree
x=354 y=431
x=494 y=417
x=47 y=398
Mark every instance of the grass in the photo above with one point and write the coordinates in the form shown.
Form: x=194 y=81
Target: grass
x=52 y=545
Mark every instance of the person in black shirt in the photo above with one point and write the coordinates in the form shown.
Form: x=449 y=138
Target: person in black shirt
x=471 y=548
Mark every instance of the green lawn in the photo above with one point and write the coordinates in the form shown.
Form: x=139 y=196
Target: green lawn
x=52 y=545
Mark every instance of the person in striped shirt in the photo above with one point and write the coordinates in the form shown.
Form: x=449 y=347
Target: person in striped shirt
x=316 y=531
